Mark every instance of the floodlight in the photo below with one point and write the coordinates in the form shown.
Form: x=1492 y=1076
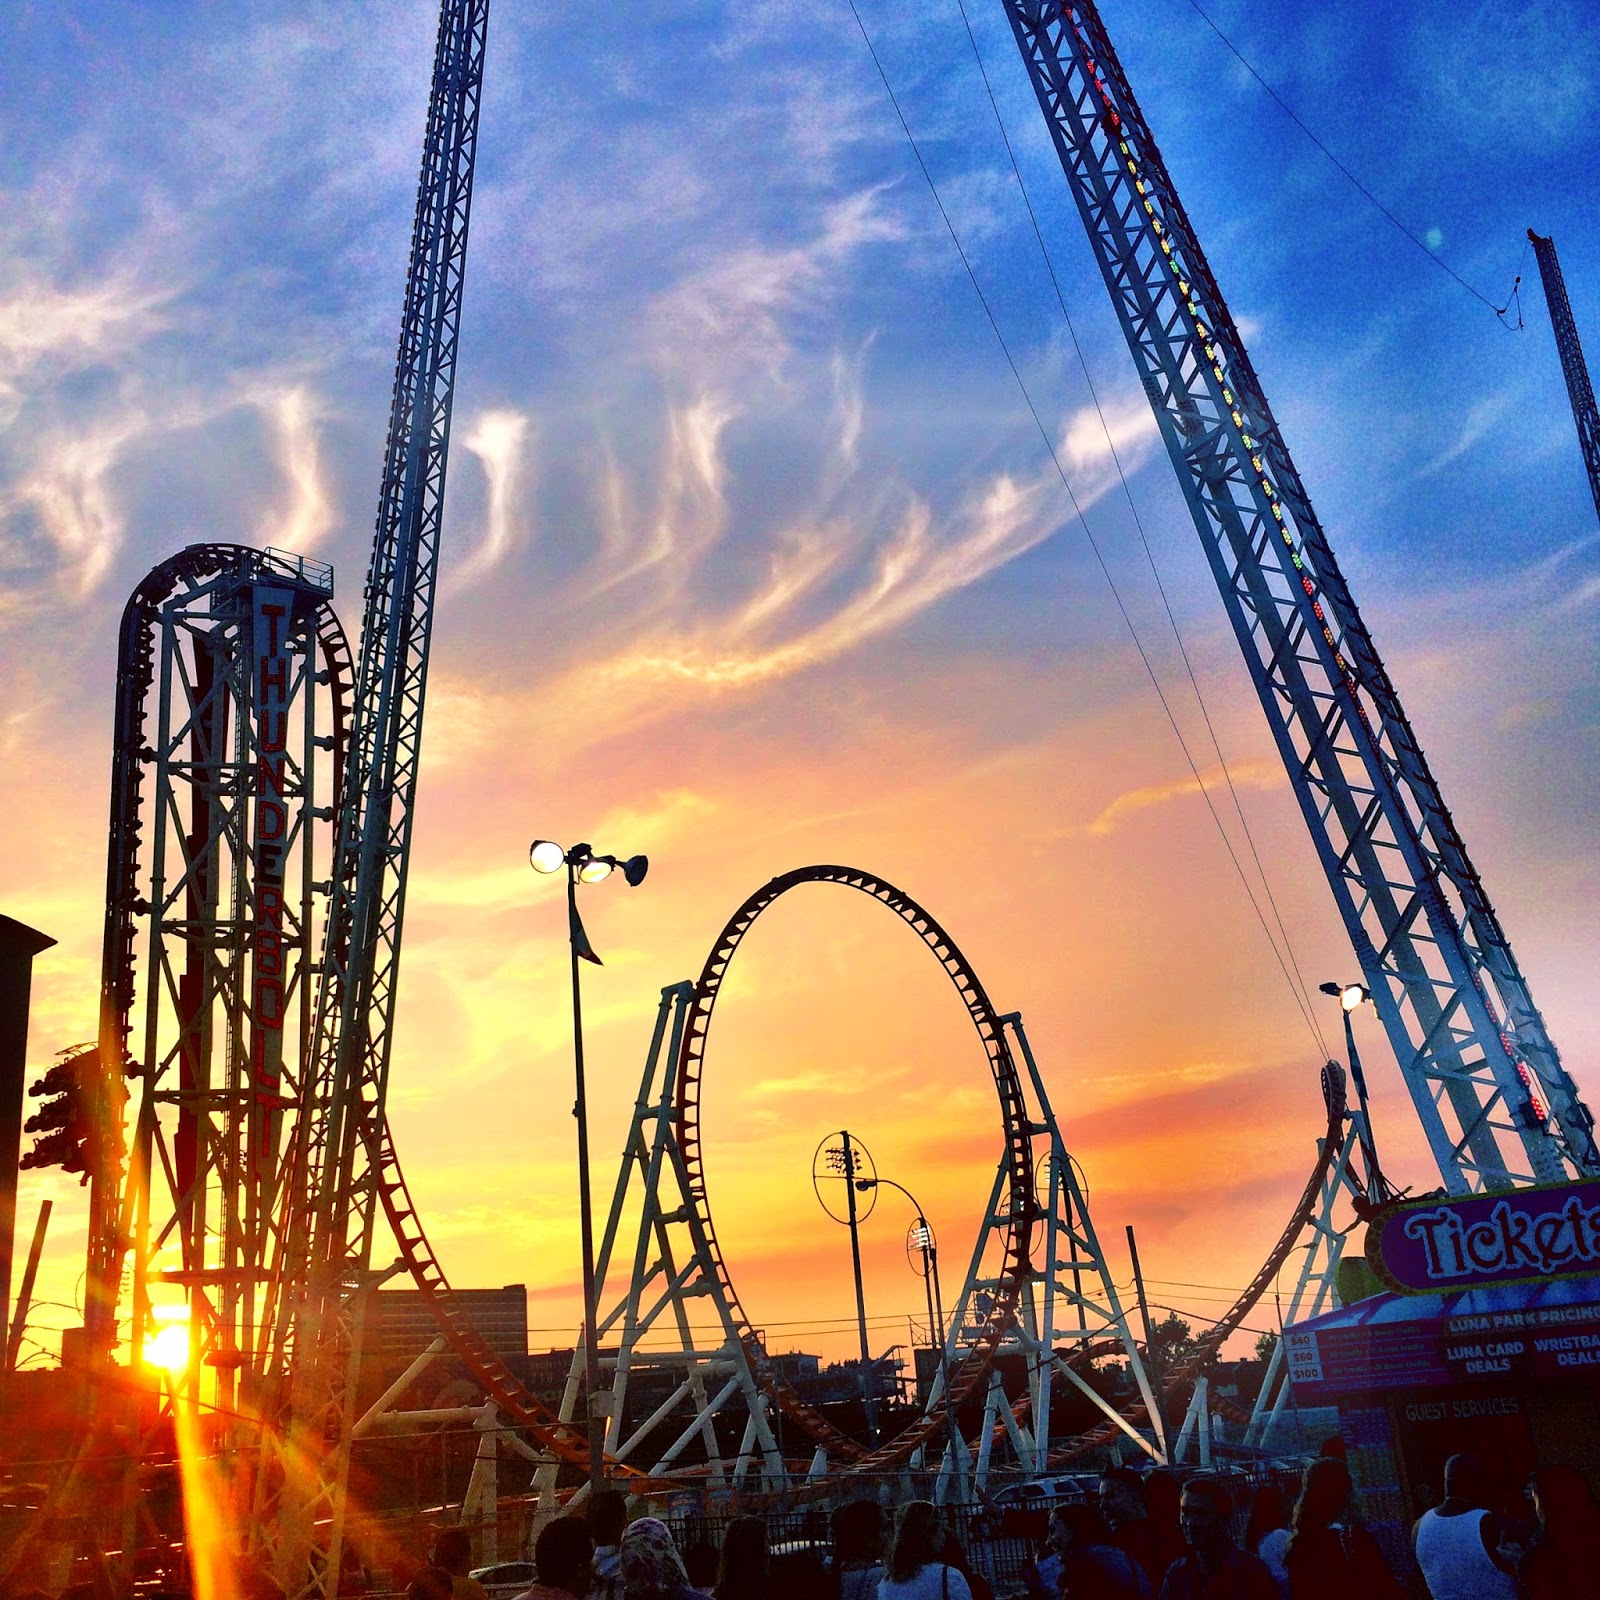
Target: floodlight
x=545 y=855
x=634 y=869
x=596 y=869
x=1351 y=996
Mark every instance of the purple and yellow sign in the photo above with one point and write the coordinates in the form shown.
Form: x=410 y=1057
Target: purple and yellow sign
x=1476 y=1241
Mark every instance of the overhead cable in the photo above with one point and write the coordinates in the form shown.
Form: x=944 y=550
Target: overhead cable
x=1307 y=1014
x=1289 y=111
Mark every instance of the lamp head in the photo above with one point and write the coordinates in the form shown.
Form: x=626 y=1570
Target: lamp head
x=596 y=869
x=864 y=1184
x=545 y=855
x=634 y=869
x=1350 y=996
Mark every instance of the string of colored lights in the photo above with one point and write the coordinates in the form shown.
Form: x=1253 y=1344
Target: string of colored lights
x=1215 y=353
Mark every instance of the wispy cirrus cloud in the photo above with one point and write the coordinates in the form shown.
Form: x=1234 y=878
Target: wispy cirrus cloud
x=728 y=317
x=1243 y=774
x=307 y=512
x=48 y=329
x=499 y=439
x=68 y=497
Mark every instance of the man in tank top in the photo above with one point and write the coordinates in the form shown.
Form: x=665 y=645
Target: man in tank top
x=1458 y=1541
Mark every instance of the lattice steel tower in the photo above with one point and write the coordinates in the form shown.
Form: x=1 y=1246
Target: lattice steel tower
x=233 y=684
x=1495 y=1102
x=1580 y=391
x=332 y=1197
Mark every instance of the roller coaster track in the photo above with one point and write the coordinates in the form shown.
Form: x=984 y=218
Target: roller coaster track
x=193 y=568
x=500 y=1384
x=1022 y=1204
x=135 y=676
x=568 y=1444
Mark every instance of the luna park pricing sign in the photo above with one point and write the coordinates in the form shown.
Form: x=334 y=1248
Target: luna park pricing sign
x=1476 y=1241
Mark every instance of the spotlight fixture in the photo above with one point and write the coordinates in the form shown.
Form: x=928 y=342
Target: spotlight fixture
x=1351 y=996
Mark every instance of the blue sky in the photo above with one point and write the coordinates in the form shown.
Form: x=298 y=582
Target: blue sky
x=750 y=544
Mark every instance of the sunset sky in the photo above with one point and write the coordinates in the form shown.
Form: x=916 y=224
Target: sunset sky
x=753 y=558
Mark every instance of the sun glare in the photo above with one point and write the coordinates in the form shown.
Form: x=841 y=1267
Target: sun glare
x=168 y=1348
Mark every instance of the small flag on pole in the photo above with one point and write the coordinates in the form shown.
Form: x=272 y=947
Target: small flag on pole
x=580 y=939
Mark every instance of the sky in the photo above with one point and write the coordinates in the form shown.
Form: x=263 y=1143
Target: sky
x=753 y=558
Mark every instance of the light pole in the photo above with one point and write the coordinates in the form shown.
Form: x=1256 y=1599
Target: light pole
x=584 y=866
x=922 y=1236
x=1351 y=997
x=845 y=1161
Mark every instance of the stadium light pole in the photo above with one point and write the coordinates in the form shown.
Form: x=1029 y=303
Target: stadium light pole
x=1351 y=998
x=584 y=866
x=845 y=1161
x=922 y=1236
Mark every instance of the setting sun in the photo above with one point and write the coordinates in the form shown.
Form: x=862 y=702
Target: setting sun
x=168 y=1348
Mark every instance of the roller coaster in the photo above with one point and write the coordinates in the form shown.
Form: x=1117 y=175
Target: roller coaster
x=269 y=884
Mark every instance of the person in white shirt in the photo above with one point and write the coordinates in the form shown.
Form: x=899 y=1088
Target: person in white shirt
x=915 y=1570
x=1458 y=1541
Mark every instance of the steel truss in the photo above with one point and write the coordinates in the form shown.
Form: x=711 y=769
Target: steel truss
x=233 y=682
x=1068 y=1314
x=1495 y=1102
x=1316 y=1287
x=331 y=1204
x=669 y=1270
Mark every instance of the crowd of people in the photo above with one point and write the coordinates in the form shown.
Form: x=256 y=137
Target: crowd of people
x=1143 y=1538
x=599 y=1554
x=1137 y=1544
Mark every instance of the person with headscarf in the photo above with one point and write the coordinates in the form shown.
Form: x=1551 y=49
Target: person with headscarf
x=1563 y=1562
x=651 y=1567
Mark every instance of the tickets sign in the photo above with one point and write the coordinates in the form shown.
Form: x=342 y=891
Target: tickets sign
x=1475 y=1241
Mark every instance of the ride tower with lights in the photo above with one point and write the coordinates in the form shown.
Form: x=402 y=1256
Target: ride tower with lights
x=1495 y=1102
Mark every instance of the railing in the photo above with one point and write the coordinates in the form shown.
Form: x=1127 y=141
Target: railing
x=316 y=575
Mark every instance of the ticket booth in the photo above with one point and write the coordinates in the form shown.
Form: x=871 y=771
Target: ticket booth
x=1486 y=1338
